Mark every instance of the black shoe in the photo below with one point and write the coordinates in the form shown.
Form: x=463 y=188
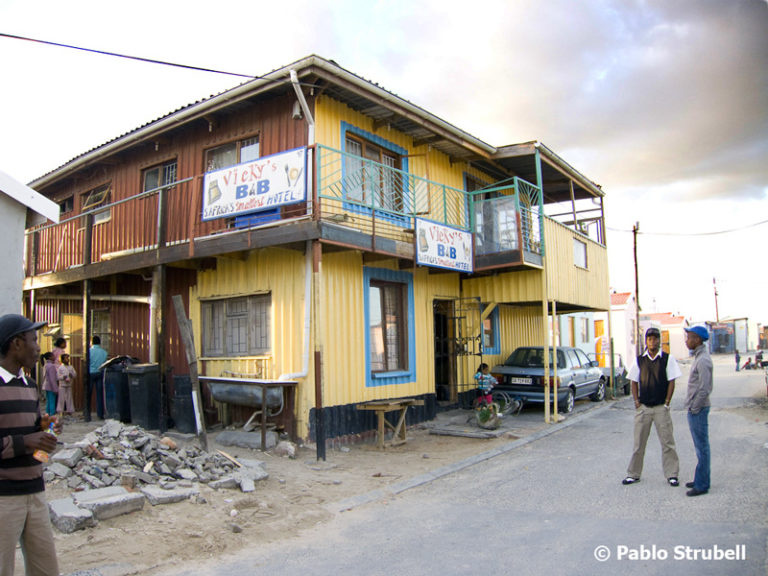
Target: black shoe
x=695 y=492
x=629 y=480
x=689 y=484
x=673 y=481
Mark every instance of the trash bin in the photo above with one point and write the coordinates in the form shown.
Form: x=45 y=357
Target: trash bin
x=117 y=402
x=144 y=392
x=183 y=409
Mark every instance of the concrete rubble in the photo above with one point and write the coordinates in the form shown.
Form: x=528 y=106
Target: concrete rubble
x=117 y=467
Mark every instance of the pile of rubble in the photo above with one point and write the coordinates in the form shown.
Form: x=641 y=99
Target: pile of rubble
x=115 y=468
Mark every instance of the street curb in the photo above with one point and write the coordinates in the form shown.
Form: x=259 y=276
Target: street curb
x=423 y=479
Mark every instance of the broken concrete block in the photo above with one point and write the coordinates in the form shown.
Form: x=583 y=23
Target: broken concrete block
x=250 y=440
x=157 y=495
x=247 y=484
x=60 y=470
x=109 y=502
x=253 y=464
x=68 y=457
x=67 y=517
x=186 y=474
x=225 y=482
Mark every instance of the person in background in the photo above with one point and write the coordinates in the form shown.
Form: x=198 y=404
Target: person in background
x=94 y=381
x=485 y=384
x=652 y=378
x=697 y=402
x=58 y=349
x=50 y=382
x=738 y=360
x=66 y=375
x=26 y=519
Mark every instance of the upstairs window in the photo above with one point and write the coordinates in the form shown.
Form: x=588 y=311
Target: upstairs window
x=67 y=205
x=100 y=196
x=579 y=253
x=158 y=176
x=374 y=185
x=231 y=154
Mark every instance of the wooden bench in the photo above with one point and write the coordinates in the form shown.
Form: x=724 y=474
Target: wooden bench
x=381 y=407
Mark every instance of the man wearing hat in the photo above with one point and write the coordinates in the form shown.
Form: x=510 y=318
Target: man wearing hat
x=24 y=508
x=697 y=403
x=652 y=378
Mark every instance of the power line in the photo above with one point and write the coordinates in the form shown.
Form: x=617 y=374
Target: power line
x=128 y=57
x=690 y=233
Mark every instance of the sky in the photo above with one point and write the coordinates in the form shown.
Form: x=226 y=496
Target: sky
x=663 y=103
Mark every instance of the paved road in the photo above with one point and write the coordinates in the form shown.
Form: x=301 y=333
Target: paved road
x=553 y=506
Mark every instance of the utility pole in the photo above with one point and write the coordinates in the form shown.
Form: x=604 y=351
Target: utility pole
x=638 y=348
x=717 y=312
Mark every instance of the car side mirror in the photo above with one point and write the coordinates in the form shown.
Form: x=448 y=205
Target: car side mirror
x=594 y=364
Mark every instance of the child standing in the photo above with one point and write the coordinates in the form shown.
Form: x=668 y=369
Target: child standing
x=50 y=383
x=485 y=384
x=66 y=376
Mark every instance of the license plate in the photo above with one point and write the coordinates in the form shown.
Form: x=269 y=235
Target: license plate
x=518 y=380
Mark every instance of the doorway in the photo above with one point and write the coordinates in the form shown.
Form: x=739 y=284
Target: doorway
x=445 y=359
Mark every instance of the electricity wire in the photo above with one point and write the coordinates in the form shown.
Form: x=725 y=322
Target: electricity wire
x=729 y=231
x=140 y=58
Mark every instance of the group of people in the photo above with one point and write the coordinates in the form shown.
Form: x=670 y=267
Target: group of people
x=749 y=365
x=652 y=379
x=58 y=377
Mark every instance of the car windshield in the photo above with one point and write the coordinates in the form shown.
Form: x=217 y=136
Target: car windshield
x=533 y=358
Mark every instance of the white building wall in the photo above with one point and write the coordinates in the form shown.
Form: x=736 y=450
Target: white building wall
x=12 y=220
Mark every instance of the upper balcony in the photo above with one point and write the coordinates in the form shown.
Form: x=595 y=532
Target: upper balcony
x=354 y=202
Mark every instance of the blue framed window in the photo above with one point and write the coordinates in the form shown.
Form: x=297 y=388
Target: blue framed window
x=373 y=176
x=491 y=339
x=390 y=328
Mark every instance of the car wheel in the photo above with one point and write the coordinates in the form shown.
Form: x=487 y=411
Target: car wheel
x=566 y=407
x=599 y=394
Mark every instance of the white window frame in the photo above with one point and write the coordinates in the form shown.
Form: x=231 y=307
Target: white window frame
x=580 y=254
x=97 y=197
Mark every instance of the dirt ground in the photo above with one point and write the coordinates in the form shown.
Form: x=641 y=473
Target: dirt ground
x=294 y=497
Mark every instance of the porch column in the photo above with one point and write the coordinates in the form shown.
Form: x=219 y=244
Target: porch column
x=317 y=258
x=85 y=371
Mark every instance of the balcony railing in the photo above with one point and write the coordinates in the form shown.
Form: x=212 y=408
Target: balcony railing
x=376 y=199
x=373 y=204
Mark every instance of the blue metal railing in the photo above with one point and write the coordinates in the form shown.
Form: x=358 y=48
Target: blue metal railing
x=368 y=196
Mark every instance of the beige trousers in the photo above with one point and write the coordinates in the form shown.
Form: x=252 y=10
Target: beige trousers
x=661 y=417
x=25 y=520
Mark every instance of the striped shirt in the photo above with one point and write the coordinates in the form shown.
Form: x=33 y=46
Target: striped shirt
x=20 y=473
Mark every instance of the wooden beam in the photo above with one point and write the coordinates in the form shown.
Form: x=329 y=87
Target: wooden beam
x=187 y=337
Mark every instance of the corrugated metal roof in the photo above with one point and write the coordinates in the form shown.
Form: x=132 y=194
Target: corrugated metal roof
x=386 y=108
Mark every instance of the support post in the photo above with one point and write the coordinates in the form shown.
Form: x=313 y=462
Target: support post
x=187 y=337
x=86 y=371
x=317 y=256
x=638 y=344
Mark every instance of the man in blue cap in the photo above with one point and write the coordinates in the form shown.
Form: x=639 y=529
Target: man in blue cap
x=697 y=403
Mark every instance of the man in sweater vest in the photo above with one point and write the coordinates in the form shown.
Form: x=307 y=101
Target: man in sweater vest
x=25 y=517
x=652 y=379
